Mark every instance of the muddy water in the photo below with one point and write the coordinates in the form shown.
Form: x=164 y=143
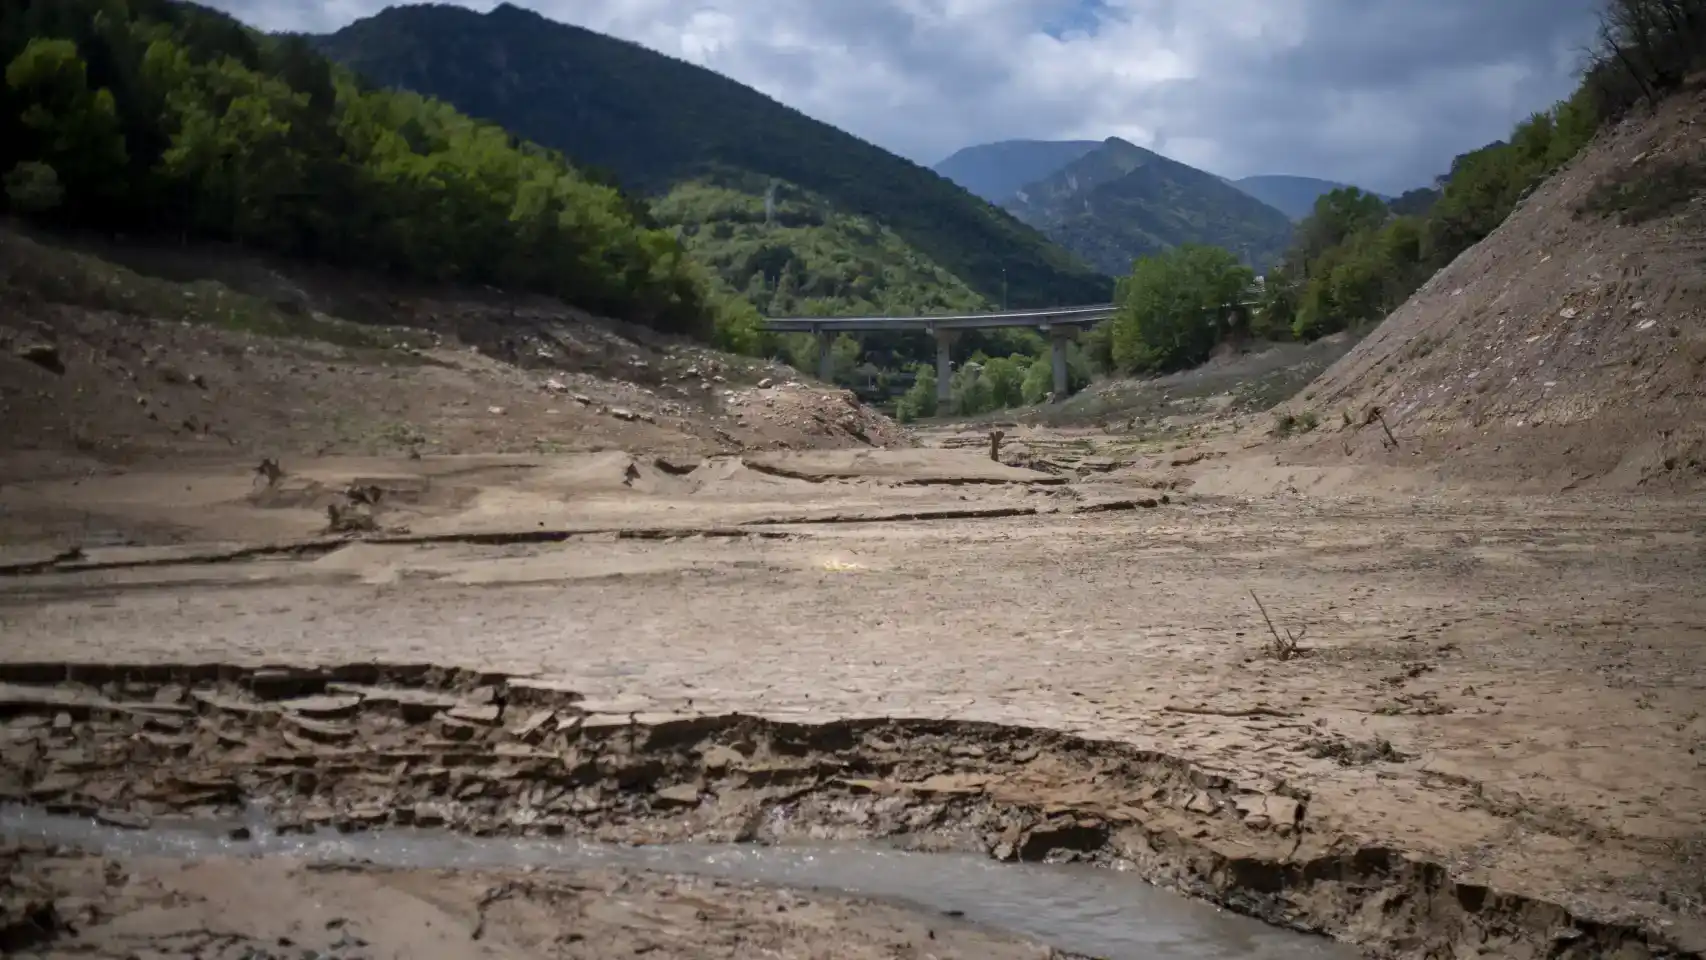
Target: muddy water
x=1082 y=910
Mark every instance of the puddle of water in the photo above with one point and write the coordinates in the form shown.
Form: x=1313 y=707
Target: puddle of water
x=1085 y=910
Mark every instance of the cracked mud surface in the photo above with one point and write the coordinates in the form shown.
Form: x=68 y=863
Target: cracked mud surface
x=1491 y=744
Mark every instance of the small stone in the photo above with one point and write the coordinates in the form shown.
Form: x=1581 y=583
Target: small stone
x=44 y=355
x=1201 y=802
x=318 y=729
x=485 y=714
x=766 y=383
x=530 y=727
x=323 y=706
x=680 y=795
x=718 y=758
x=451 y=728
x=123 y=819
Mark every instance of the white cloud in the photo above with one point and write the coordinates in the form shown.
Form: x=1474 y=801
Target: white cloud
x=1379 y=92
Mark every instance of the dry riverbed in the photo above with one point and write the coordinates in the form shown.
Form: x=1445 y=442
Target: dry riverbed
x=1487 y=743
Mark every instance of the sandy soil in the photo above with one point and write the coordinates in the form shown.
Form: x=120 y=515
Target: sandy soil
x=1565 y=351
x=1491 y=735
x=101 y=365
x=277 y=909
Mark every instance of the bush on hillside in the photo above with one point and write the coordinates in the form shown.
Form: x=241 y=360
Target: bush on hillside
x=148 y=116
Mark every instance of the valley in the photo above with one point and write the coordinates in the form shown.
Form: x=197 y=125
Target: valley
x=416 y=545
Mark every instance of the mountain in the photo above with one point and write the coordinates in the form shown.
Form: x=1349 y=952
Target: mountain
x=1293 y=196
x=654 y=122
x=996 y=171
x=1120 y=201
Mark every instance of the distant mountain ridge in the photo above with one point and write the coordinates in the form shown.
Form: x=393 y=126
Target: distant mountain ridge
x=996 y=171
x=1121 y=201
x=655 y=122
x=1293 y=196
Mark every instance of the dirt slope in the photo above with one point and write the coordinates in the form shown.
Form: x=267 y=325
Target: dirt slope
x=1566 y=350
x=198 y=353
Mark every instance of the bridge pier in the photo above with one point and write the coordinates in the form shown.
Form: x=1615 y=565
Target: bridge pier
x=944 y=367
x=1059 y=337
x=825 y=356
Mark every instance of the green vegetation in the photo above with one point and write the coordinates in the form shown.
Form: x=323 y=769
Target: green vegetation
x=153 y=117
x=656 y=122
x=1176 y=307
x=1354 y=259
x=1120 y=202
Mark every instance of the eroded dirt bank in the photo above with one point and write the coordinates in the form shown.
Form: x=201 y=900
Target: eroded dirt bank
x=364 y=746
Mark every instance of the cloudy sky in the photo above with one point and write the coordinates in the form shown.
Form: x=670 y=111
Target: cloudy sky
x=1382 y=93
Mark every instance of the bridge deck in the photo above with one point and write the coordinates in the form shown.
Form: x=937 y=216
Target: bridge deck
x=1049 y=317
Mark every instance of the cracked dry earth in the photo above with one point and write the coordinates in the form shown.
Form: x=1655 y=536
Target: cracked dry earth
x=1490 y=745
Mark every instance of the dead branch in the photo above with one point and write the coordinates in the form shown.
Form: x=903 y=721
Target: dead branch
x=1286 y=647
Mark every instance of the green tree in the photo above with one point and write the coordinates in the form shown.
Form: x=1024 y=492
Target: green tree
x=1005 y=380
x=919 y=400
x=70 y=127
x=1173 y=309
x=33 y=187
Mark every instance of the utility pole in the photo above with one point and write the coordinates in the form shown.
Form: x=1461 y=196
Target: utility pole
x=1004 y=287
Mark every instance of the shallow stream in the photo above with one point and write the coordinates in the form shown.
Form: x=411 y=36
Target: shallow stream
x=1085 y=910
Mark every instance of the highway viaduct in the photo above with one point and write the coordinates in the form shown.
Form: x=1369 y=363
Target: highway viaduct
x=1061 y=324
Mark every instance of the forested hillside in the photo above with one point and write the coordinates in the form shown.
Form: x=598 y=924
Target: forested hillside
x=655 y=122
x=1356 y=258
x=162 y=119
x=1121 y=201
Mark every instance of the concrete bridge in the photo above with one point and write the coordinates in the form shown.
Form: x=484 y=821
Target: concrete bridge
x=1062 y=324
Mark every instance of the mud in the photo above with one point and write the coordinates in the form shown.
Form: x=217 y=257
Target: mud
x=1487 y=742
x=361 y=747
x=274 y=908
x=1096 y=912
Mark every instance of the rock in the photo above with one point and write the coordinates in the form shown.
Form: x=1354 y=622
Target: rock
x=718 y=758
x=1201 y=802
x=582 y=399
x=413 y=706
x=323 y=706
x=495 y=411
x=485 y=714
x=556 y=386
x=623 y=414
x=43 y=355
x=319 y=730
x=1265 y=811
x=224 y=704
x=680 y=795
x=123 y=819
x=766 y=383
x=530 y=727
x=450 y=728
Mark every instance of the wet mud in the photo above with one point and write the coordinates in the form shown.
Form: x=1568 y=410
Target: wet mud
x=484 y=754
